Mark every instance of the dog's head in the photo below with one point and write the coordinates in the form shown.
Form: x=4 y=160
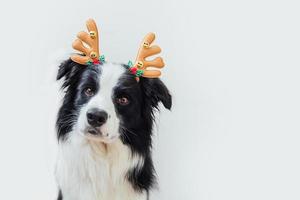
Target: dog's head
x=105 y=102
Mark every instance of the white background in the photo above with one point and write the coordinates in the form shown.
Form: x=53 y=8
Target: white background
x=232 y=67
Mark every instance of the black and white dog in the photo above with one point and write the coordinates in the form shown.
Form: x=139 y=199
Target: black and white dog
x=104 y=129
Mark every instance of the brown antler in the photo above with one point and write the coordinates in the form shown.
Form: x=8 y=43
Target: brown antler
x=91 y=39
x=145 y=51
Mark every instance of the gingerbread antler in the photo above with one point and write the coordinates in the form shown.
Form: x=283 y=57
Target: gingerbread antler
x=90 y=53
x=145 y=51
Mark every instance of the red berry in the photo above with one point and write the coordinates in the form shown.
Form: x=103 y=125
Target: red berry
x=96 y=61
x=133 y=70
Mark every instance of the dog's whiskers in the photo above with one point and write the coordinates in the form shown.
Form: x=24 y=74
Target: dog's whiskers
x=124 y=133
x=128 y=130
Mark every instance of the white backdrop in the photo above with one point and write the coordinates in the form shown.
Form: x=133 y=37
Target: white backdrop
x=232 y=67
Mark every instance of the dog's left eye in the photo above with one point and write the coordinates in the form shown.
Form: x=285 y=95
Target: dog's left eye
x=122 y=101
x=89 y=92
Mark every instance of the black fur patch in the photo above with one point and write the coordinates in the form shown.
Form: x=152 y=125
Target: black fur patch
x=60 y=197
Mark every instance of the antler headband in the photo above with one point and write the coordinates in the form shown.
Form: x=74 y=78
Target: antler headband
x=91 y=55
x=140 y=68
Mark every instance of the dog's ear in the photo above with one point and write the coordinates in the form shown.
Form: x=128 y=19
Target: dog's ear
x=67 y=70
x=64 y=69
x=156 y=91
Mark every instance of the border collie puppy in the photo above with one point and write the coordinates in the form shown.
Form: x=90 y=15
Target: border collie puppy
x=104 y=129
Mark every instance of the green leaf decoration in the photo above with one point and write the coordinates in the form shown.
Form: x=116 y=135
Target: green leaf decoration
x=130 y=64
x=102 y=58
x=89 y=62
x=139 y=72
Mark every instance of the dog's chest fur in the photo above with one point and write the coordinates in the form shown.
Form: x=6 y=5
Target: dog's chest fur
x=88 y=170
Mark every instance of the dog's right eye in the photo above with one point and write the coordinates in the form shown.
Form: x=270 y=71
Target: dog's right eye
x=89 y=92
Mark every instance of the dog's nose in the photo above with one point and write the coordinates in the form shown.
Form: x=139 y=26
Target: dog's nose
x=96 y=117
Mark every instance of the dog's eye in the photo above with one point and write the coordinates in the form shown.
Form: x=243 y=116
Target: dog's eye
x=89 y=92
x=122 y=101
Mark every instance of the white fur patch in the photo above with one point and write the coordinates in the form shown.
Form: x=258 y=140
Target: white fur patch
x=88 y=169
x=103 y=100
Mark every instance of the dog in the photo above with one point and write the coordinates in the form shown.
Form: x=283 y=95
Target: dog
x=104 y=130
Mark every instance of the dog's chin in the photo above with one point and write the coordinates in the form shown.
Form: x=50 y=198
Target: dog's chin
x=98 y=136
